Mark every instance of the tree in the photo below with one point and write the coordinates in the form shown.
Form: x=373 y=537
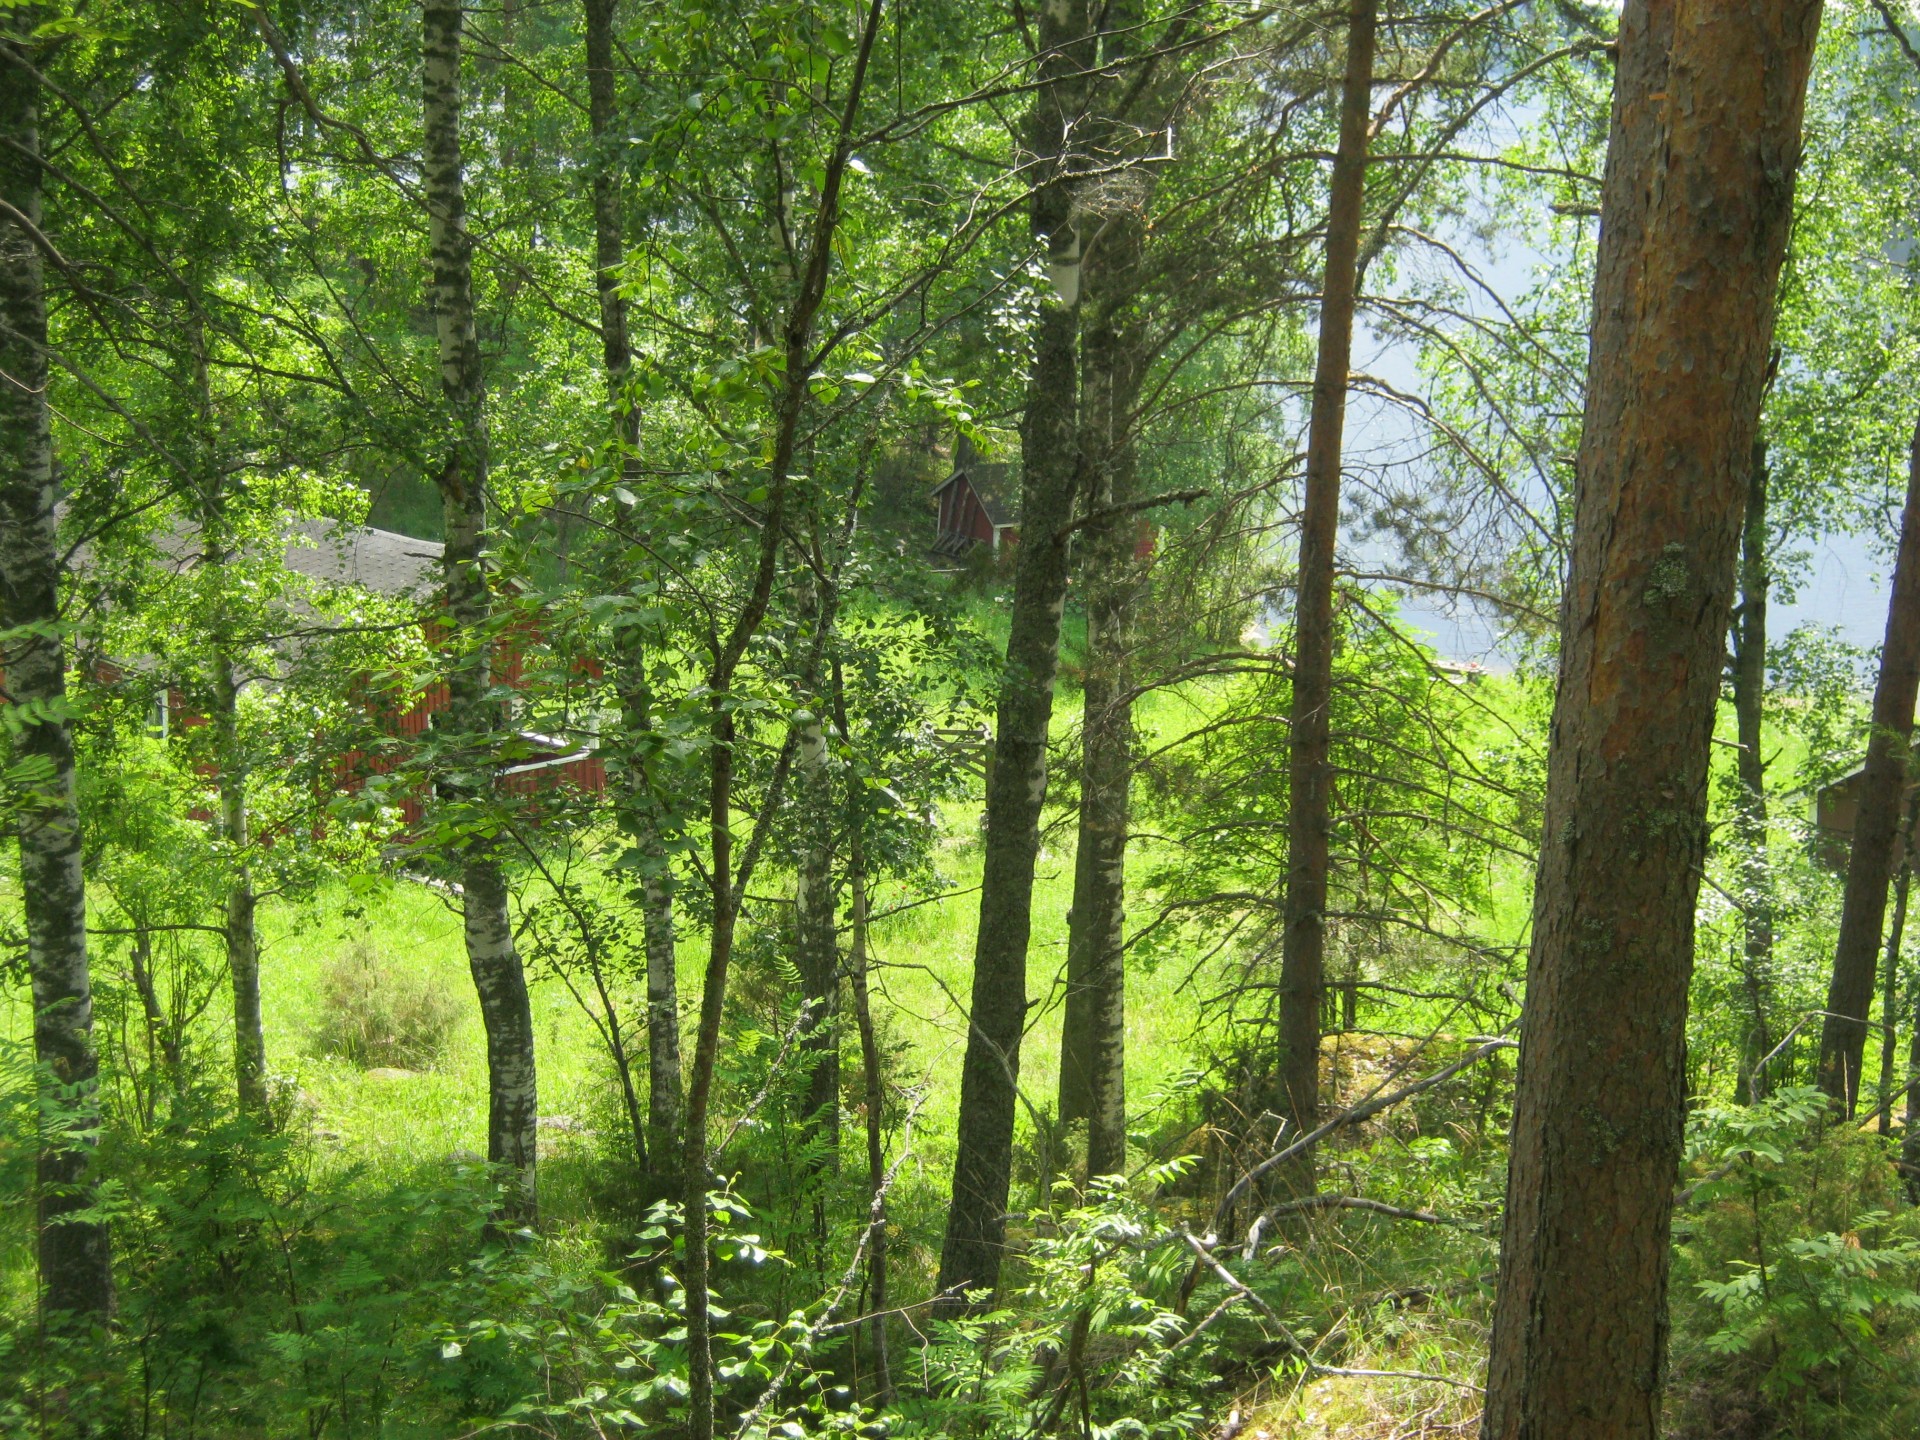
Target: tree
x=1017 y=788
x=1310 y=774
x=76 y=1278
x=1695 y=209
x=1749 y=666
x=471 y=714
x=1883 y=782
x=639 y=810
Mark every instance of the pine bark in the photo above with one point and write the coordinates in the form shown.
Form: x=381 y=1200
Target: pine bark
x=1017 y=786
x=1883 y=781
x=638 y=809
x=1695 y=210
x=1310 y=758
x=471 y=717
x=76 y=1278
x=1750 y=811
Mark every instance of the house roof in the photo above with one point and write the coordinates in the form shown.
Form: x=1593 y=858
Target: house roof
x=997 y=485
x=379 y=560
x=382 y=561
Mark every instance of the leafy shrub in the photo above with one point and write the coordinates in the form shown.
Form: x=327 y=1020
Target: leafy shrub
x=375 y=1013
x=1795 y=1299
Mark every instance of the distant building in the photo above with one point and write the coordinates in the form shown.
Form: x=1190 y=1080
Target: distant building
x=978 y=504
x=1836 y=810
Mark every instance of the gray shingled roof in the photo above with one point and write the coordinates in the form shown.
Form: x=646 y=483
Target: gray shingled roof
x=379 y=560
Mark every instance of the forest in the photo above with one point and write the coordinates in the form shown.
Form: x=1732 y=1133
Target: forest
x=976 y=718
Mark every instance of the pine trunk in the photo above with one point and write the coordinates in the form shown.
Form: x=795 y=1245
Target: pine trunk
x=1750 y=818
x=471 y=716
x=76 y=1277
x=1309 y=761
x=1883 y=781
x=1017 y=786
x=1694 y=217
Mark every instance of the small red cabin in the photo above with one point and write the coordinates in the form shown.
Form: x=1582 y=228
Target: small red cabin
x=977 y=505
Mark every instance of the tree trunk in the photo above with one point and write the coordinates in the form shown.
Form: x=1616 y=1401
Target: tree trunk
x=639 y=813
x=1890 y=983
x=1750 y=810
x=76 y=1277
x=470 y=716
x=1883 y=781
x=725 y=886
x=816 y=947
x=1694 y=217
x=876 y=1099
x=1093 y=1031
x=241 y=935
x=1309 y=760
x=1910 y=1132
x=1017 y=787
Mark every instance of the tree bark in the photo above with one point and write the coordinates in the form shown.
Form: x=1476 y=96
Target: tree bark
x=471 y=717
x=725 y=886
x=1694 y=217
x=76 y=1277
x=1890 y=983
x=1017 y=788
x=639 y=813
x=1883 y=781
x=241 y=935
x=1750 y=810
x=1309 y=761
x=816 y=947
x=1093 y=1030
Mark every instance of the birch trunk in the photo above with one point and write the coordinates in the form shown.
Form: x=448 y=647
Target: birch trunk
x=1883 y=781
x=1309 y=761
x=1017 y=788
x=639 y=814
x=76 y=1277
x=240 y=933
x=1694 y=217
x=471 y=716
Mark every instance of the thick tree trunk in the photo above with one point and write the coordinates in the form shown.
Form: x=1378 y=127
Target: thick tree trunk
x=1017 y=788
x=1309 y=761
x=470 y=716
x=76 y=1278
x=639 y=813
x=1883 y=781
x=1694 y=216
x=1750 y=811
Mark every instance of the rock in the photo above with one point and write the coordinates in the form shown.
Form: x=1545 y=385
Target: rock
x=564 y=1124
x=389 y=1072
